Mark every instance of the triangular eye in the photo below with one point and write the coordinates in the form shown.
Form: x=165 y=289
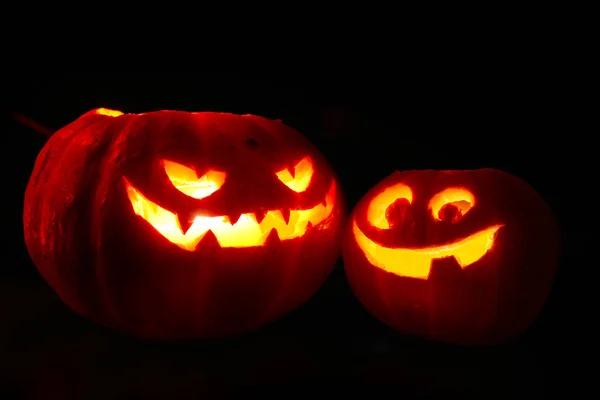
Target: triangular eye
x=186 y=180
x=303 y=172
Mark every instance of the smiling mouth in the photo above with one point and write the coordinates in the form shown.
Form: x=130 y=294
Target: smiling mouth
x=416 y=263
x=250 y=230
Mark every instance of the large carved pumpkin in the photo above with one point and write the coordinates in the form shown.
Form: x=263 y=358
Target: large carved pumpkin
x=182 y=225
x=458 y=256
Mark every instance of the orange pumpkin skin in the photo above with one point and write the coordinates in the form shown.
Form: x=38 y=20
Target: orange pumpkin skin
x=483 y=303
x=114 y=267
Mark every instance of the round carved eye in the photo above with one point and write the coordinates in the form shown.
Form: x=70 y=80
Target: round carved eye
x=377 y=213
x=299 y=181
x=186 y=180
x=451 y=204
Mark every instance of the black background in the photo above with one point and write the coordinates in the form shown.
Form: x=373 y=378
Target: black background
x=516 y=119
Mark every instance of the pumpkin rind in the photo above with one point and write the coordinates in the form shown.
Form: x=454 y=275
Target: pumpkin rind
x=111 y=266
x=486 y=302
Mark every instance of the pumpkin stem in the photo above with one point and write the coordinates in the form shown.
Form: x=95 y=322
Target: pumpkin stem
x=28 y=122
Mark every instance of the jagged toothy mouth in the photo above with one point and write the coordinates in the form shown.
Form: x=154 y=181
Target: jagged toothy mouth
x=249 y=230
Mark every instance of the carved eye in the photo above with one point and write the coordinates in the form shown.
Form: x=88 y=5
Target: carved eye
x=186 y=180
x=451 y=204
x=377 y=211
x=299 y=181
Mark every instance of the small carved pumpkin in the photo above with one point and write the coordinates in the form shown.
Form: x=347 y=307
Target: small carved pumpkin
x=459 y=256
x=182 y=225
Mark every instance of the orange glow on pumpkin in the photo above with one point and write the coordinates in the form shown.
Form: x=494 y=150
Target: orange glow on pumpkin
x=108 y=112
x=246 y=232
x=303 y=172
x=186 y=180
x=416 y=262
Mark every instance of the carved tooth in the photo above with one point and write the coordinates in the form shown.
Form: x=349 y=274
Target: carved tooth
x=233 y=218
x=185 y=221
x=285 y=213
x=445 y=269
x=208 y=240
x=272 y=237
x=309 y=225
x=292 y=170
x=260 y=215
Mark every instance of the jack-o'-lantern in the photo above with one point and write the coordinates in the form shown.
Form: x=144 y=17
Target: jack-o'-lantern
x=459 y=256
x=174 y=225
